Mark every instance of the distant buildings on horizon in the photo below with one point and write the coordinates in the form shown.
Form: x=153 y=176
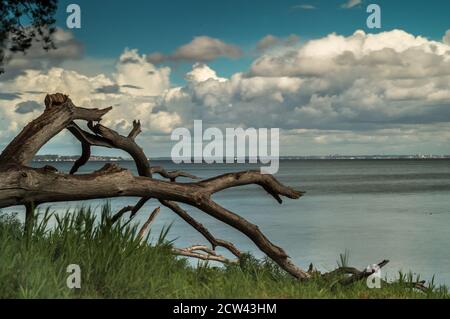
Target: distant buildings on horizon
x=73 y=158
x=99 y=158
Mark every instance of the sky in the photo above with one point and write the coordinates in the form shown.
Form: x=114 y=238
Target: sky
x=311 y=68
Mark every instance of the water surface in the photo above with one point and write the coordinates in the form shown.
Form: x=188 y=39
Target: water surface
x=376 y=209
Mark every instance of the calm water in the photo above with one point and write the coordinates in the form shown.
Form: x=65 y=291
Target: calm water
x=375 y=209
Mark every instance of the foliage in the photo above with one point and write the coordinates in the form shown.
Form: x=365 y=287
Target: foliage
x=115 y=263
x=25 y=21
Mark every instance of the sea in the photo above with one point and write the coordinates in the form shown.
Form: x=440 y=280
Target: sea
x=369 y=210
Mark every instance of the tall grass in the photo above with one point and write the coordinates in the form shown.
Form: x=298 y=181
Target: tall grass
x=115 y=263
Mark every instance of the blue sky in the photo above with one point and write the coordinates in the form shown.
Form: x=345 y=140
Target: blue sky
x=109 y=27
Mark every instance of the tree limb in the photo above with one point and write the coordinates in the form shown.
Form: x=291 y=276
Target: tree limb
x=201 y=229
x=59 y=112
x=23 y=184
x=148 y=222
x=20 y=185
x=356 y=275
x=209 y=255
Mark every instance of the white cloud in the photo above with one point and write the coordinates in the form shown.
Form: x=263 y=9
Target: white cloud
x=446 y=38
x=304 y=7
x=129 y=91
x=336 y=53
x=201 y=72
x=360 y=82
x=133 y=69
x=388 y=91
x=200 y=49
x=351 y=3
x=270 y=42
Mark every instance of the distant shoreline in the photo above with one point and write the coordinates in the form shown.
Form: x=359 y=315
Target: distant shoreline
x=57 y=158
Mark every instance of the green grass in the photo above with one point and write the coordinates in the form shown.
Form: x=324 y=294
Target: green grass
x=115 y=264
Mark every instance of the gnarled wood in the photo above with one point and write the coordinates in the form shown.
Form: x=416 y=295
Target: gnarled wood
x=59 y=112
x=201 y=229
x=148 y=222
x=23 y=185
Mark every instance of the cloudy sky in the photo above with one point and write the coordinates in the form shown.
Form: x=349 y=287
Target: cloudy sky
x=310 y=68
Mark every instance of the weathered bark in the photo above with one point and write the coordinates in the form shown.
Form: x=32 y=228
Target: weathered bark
x=59 y=112
x=201 y=229
x=29 y=217
x=209 y=254
x=23 y=185
x=148 y=222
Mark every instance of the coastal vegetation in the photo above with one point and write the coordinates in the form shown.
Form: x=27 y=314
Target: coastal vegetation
x=116 y=259
x=117 y=262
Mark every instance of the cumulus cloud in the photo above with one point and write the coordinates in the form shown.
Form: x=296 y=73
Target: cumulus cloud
x=333 y=94
x=200 y=49
x=270 y=42
x=133 y=70
x=132 y=89
x=352 y=83
x=446 y=38
x=201 y=72
x=351 y=3
x=392 y=54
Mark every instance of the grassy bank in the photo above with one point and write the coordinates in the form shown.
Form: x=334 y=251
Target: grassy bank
x=114 y=264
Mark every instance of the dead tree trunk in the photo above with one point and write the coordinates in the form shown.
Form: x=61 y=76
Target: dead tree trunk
x=23 y=185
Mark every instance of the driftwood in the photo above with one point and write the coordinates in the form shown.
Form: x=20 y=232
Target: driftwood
x=148 y=222
x=21 y=184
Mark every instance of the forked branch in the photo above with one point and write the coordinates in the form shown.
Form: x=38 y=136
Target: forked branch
x=23 y=185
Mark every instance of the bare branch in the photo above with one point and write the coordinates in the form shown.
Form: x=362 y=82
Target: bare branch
x=171 y=175
x=204 y=248
x=59 y=112
x=252 y=231
x=113 y=181
x=81 y=113
x=419 y=285
x=20 y=184
x=126 y=144
x=91 y=139
x=29 y=217
x=356 y=275
x=84 y=158
x=268 y=182
x=206 y=256
x=200 y=228
x=148 y=222
x=87 y=140
x=133 y=209
x=135 y=131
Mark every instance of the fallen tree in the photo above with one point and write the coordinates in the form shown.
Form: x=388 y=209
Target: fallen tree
x=21 y=184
